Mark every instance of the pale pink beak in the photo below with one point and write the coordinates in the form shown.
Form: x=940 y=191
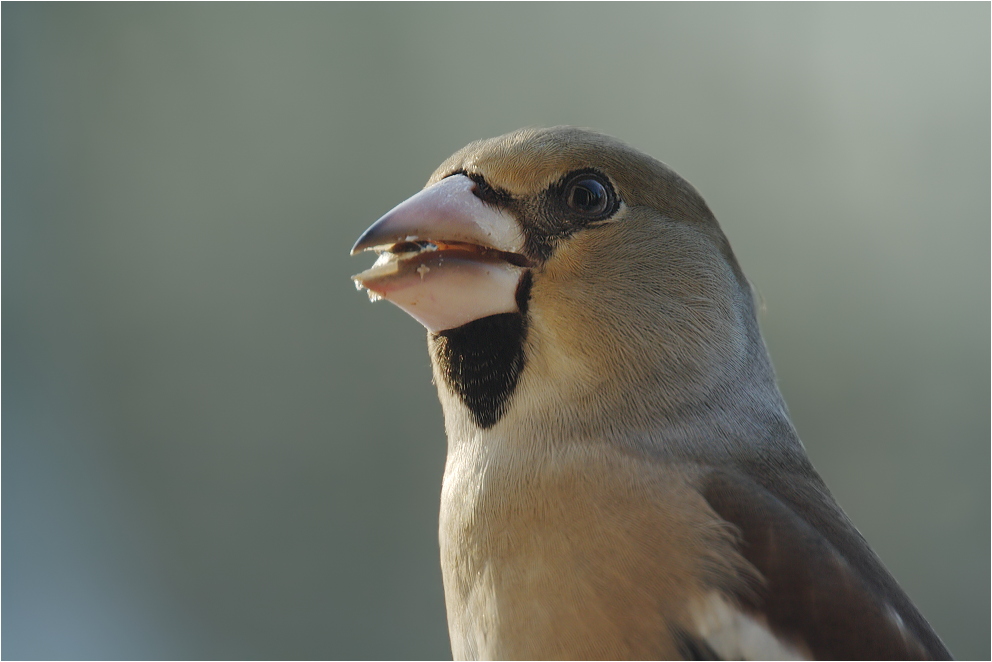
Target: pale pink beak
x=446 y=257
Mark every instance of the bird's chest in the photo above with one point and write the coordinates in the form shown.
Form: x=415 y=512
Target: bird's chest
x=557 y=562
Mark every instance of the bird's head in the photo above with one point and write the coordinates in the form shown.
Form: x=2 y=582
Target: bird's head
x=561 y=273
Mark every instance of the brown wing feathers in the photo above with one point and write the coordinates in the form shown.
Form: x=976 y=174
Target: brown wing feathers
x=812 y=595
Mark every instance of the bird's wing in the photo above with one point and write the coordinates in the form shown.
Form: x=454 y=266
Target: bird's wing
x=813 y=597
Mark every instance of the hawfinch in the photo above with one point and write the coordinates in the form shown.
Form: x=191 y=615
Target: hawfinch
x=622 y=478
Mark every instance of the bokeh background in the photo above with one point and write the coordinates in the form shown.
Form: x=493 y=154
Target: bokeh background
x=214 y=447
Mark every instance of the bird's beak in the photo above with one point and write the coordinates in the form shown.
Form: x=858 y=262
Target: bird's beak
x=445 y=257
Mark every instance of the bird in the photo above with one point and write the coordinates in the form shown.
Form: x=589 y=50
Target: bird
x=622 y=479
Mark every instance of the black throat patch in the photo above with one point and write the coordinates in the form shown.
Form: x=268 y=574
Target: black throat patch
x=482 y=360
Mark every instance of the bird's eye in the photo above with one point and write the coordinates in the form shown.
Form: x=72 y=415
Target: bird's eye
x=588 y=196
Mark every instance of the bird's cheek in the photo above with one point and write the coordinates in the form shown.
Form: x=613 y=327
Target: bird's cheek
x=445 y=289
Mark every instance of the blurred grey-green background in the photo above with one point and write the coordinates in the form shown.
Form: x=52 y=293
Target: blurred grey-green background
x=214 y=447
